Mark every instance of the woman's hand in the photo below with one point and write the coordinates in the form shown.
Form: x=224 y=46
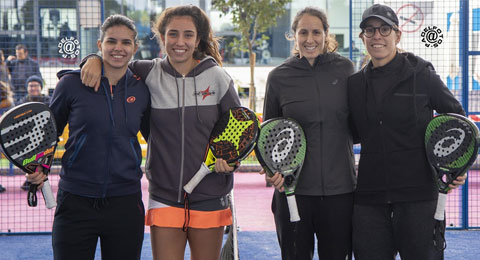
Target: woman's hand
x=276 y=180
x=460 y=180
x=222 y=166
x=91 y=73
x=37 y=177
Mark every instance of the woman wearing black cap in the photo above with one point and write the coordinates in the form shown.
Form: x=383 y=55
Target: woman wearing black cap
x=391 y=101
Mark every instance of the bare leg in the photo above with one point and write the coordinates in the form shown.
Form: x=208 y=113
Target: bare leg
x=205 y=244
x=168 y=243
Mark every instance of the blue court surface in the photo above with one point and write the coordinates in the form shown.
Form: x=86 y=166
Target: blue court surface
x=461 y=245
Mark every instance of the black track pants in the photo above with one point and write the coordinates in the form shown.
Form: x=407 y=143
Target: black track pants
x=329 y=218
x=380 y=231
x=80 y=221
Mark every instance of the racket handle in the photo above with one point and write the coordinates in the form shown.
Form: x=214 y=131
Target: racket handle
x=292 y=208
x=440 y=211
x=48 y=195
x=197 y=178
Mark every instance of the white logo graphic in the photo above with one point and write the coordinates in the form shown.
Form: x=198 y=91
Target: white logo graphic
x=69 y=47
x=441 y=151
x=279 y=156
x=35 y=135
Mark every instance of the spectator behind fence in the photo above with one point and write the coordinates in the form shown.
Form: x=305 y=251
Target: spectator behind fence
x=21 y=67
x=5 y=104
x=34 y=85
x=4 y=73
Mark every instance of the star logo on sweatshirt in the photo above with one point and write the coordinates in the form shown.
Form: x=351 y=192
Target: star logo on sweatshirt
x=205 y=93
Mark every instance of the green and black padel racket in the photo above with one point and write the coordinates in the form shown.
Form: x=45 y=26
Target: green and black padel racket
x=281 y=147
x=451 y=143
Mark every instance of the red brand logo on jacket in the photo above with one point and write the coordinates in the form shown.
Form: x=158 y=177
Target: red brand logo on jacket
x=131 y=99
x=205 y=93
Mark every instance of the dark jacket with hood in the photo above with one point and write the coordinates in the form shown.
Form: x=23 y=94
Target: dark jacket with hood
x=390 y=108
x=316 y=97
x=184 y=110
x=20 y=71
x=102 y=155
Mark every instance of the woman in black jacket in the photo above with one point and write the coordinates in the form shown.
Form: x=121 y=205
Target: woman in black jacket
x=310 y=87
x=391 y=101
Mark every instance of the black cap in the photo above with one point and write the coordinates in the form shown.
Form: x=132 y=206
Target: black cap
x=34 y=78
x=382 y=12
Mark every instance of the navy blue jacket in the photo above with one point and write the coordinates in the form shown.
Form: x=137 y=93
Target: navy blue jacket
x=102 y=154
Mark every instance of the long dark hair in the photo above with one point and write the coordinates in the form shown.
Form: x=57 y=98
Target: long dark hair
x=331 y=44
x=208 y=43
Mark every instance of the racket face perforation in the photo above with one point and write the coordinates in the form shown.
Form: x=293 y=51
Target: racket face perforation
x=234 y=135
x=281 y=145
x=28 y=136
x=451 y=143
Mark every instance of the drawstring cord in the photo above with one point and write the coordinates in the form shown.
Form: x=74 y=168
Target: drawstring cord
x=99 y=203
x=195 y=94
x=186 y=207
x=178 y=95
x=125 y=100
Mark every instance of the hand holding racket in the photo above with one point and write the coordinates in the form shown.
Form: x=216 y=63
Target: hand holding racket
x=451 y=144
x=281 y=148
x=28 y=137
x=232 y=139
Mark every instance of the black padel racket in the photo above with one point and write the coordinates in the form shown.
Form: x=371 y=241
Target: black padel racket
x=451 y=143
x=232 y=139
x=28 y=137
x=281 y=147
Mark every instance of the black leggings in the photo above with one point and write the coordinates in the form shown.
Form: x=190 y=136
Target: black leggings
x=327 y=217
x=80 y=221
x=380 y=231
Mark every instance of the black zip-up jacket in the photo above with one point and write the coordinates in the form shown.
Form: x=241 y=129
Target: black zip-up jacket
x=390 y=108
x=316 y=97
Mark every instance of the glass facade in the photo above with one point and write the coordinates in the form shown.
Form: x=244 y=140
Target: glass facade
x=42 y=24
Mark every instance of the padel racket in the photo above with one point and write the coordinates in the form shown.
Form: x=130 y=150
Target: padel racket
x=28 y=137
x=232 y=139
x=230 y=248
x=281 y=147
x=451 y=144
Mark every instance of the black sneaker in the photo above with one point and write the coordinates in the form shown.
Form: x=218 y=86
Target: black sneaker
x=2 y=189
x=25 y=186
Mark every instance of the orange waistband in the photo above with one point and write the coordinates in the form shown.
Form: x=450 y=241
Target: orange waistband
x=175 y=217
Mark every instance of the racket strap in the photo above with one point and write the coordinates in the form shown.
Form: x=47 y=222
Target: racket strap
x=32 y=195
x=439 y=241
x=186 y=208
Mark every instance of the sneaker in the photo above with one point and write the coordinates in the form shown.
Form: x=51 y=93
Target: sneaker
x=25 y=186
x=2 y=189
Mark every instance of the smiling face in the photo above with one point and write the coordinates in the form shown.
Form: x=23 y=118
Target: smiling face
x=382 y=49
x=310 y=37
x=180 y=40
x=117 y=47
x=34 y=88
